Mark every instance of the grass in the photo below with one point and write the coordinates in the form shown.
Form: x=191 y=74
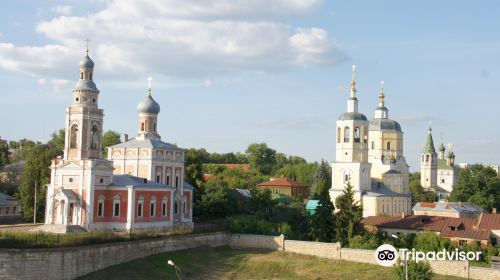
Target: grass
x=225 y=263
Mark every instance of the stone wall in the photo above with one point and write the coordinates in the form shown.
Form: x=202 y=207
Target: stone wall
x=453 y=268
x=358 y=255
x=483 y=273
x=323 y=250
x=69 y=263
x=257 y=241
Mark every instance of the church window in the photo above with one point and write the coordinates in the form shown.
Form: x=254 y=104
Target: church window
x=71 y=180
x=176 y=181
x=81 y=75
x=93 y=100
x=373 y=145
x=101 y=180
x=116 y=206
x=175 y=208
x=158 y=178
x=142 y=126
x=152 y=209
x=100 y=209
x=347 y=134
x=73 y=136
x=184 y=206
x=338 y=134
x=357 y=136
x=388 y=145
x=442 y=180
x=94 y=138
x=91 y=76
x=140 y=204
x=164 y=207
x=77 y=99
x=426 y=158
x=168 y=180
x=154 y=127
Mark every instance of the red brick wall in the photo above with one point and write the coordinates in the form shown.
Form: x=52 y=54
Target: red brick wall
x=108 y=206
x=146 y=212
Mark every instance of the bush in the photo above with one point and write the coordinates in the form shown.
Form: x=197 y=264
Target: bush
x=366 y=241
x=249 y=224
x=416 y=271
x=431 y=242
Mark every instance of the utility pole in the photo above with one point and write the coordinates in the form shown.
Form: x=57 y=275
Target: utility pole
x=34 y=206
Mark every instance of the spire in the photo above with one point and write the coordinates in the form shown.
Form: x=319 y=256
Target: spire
x=429 y=146
x=87 y=47
x=381 y=95
x=149 y=86
x=353 y=82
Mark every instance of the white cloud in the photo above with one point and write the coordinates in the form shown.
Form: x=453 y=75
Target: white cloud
x=63 y=10
x=132 y=38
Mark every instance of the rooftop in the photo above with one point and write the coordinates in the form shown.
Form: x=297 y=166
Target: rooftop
x=282 y=182
x=146 y=143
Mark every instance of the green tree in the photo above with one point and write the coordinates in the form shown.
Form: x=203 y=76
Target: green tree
x=349 y=216
x=193 y=168
x=300 y=172
x=36 y=169
x=109 y=139
x=478 y=184
x=418 y=193
x=261 y=202
x=431 y=242
x=4 y=153
x=214 y=202
x=323 y=221
x=56 y=142
x=416 y=271
x=322 y=179
x=261 y=158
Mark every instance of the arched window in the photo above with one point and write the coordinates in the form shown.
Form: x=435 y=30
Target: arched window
x=175 y=208
x=338 y=134
x=347 y=134
x=388 y=145
x=81 y=75
x=427 y=158
x=73 y=137
x=142 y=126
x=91 y=76
x=94 y=137
x=373 y=145
x=154 y=126
x=357 y=135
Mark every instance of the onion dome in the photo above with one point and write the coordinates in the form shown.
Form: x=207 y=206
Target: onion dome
x=442 y=148
x=86 y=62
x=384 y=125
x=148 y=105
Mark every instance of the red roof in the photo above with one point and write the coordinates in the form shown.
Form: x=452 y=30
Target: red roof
x=282 y=182
x=244 y=166
x=428 y=205
x=446 y=226
x=489 y=221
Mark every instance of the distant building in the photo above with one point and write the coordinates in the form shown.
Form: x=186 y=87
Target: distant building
x=439 y=174
x=241 y=196
x=285 y=186
x=311 y=206
x=448 y=209
x=483 y=230
x=12 y=173
x=10 y=210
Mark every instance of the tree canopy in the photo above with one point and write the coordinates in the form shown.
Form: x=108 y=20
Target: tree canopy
x=478 y=184
x=109 y=139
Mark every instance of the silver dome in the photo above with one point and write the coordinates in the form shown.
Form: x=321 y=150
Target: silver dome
x=86 y=62
x=148 y=106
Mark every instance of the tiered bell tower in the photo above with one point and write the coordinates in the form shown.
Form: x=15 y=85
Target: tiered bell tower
x=351 y=164
x=84 y=119
x=428 y=164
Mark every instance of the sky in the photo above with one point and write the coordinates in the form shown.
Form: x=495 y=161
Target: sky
x=229 y=73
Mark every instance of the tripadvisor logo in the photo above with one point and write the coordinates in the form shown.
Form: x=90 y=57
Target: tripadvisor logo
x=387 y=255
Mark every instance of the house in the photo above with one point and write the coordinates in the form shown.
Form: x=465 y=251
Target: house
x=483 y=230
x=448 y=209
x=12 y=173
x=241 y=196
x=10 y=210
x=285 y=186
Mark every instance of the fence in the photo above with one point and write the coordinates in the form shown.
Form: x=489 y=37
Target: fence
x=21 y=240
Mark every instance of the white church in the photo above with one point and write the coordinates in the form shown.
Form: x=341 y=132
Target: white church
x=369 y=157
x=140 y=185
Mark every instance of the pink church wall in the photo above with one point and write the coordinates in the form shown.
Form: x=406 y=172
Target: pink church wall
x=146 y=213
x=108 y=206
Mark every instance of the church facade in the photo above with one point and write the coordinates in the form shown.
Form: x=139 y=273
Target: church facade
x=369 y=157
x=438 y=173
x=140 y=185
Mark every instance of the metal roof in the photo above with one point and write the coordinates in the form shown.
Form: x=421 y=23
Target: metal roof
x=449 y=207
x=147 y=143
x=352 y=116
x=385 y=124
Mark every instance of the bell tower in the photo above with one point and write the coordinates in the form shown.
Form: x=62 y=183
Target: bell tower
x=428 y=163
x=84 y=119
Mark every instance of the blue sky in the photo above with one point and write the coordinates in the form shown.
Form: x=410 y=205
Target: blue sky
x=230 y=73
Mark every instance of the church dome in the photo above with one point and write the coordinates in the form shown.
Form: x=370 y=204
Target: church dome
x=86 y=62
x=385 y=124
x=148 y=106
x=441 y=148
x=352 y=116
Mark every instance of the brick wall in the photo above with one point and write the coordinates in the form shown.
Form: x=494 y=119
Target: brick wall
x=69 y=263
x=483 y=273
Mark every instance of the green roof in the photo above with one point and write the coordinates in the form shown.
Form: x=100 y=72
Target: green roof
x=352 y=116
x=443 y=164
x=429 y=146
x=441 y=148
